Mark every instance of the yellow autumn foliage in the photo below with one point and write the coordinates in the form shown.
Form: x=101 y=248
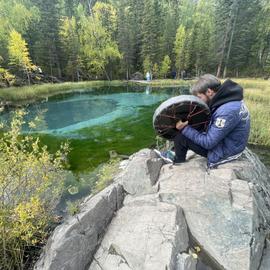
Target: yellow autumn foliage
x=31 y=180
x=6 y=77
x=18 y=51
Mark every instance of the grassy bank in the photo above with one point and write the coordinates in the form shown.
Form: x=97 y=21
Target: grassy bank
x=164 y=83
x=28 y=94
x=257 y=97
x=32 y=93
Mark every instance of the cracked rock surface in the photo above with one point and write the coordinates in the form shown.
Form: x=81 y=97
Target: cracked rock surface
x=226 y=210
x=146 y=235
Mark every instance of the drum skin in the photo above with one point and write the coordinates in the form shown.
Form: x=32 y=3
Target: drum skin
x=184 y=107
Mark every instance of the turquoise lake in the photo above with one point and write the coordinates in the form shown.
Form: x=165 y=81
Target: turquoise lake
x=97 y=121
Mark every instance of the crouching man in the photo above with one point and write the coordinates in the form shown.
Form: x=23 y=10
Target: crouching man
x=229 y=127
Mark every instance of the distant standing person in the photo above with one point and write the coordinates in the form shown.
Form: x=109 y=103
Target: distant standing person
x=148 y=76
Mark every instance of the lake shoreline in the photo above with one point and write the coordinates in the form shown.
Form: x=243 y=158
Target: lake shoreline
x=25 y=95
x=22 y=96
x=256 y=92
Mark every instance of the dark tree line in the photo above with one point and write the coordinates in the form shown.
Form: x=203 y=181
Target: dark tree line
x=88 y=39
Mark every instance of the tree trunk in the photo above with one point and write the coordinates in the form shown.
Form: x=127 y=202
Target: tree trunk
x=107 y=75
x=179 y=73
x=78 y=75
x=127 y=74
x=224 y=71
x=28 y=77
x=219 y=69
x=231 y=38
x=89 y=2
x=224 y=45
x=55 y=60
x=237 y=73
x=4 y=245
x=51 y=70
x=59 y=71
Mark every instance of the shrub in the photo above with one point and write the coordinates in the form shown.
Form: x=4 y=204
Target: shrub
x=31 y=180
x=106 y=174
x=6 y=78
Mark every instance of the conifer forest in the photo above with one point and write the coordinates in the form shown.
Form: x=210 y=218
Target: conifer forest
x=76 y=40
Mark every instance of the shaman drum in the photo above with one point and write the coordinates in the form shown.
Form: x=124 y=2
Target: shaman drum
x=184 y=107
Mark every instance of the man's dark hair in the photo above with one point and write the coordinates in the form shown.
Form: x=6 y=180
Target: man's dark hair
x=206 y=81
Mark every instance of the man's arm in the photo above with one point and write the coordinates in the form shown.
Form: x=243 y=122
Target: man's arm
x=217 y=131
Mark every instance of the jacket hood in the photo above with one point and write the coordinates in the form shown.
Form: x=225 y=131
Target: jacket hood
x=228 y=91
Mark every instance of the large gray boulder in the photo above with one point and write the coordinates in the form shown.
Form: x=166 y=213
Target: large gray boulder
x=73 y=244
x=223 y=210
x=145 y=234
x=265 y=265
x=141 y=173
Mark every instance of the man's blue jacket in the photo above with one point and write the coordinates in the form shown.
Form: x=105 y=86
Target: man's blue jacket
x=229 y=127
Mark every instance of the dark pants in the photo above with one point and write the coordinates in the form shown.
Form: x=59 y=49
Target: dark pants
x=181 y=146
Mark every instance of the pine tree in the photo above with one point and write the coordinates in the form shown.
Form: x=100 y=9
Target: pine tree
x=186 y=10
x=106 y=13
x=179 y=48
x=136 y=22
x=243 y=54
x=263 y=36
x=151 y=28
x=126 y=38
x=70 y=7
x=18 y=53
x=266 y=67
x=14 y=15
x=71 y=46
x=165 y=66
x=203 y=29
x=147 y=65
x=230 y=37
x=169 y=28
x=47 y=47
x=226 y=16
x=155 y=71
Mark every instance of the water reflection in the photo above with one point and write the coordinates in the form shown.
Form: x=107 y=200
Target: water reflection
x=148 y=89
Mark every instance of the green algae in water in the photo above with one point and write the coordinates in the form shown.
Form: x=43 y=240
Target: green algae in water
x=125 y=136
x=97 y=122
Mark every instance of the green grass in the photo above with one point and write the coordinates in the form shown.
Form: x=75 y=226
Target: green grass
x=32 y=93
x=35 y=92
x=257 y=97
x=165 y=83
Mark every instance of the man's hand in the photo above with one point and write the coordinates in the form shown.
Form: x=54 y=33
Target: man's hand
x=180 y=125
